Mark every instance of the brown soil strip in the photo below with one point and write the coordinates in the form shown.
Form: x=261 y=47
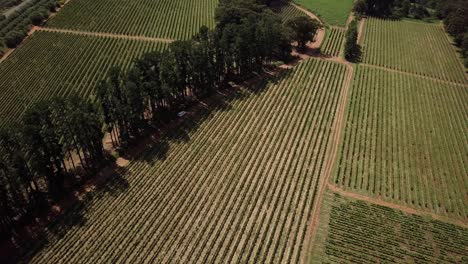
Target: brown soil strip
x=361 y=30
x=329 y=161
x=414 y=74
x=406 y=209
x=320 y=36
x=6 y=54
x=100 y=34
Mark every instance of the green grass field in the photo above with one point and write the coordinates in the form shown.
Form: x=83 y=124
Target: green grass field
x=332 y=12
x=56 y=64
x=354 y=231
x=405 y=141
x=411 y=47
x=174 y=19
x=237 y=186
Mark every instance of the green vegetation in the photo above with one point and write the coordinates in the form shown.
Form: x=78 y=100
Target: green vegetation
x=412 y=47
x=332 y=12
x=207 y=195
x=287 y=12
x=405 y=141
x=360 y=232
x=56 y=64
x=19 y=22
x=333 y=44
x=174 y=19
x=352 y=50
x=5 y=4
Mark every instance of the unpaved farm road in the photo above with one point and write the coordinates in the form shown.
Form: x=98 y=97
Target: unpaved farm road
x=320 y=33
x=100 y=34
x=406 y=209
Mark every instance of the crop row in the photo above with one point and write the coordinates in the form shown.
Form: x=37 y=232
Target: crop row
x=4 y=4
x=413 y=47
x=175 y=19
x=287 y=12
x=367 y=233
x=405 y=141
x=333 y=44
x=57 y=64
x=237 y=184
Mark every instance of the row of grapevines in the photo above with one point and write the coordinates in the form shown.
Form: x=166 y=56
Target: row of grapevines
x=4 y=4
x=405 y=141
x=287 y=12
x=56 y=64
x=413 y=47
x=359 y=232
x=236 y=183
x=175 y=19
x=334 y=42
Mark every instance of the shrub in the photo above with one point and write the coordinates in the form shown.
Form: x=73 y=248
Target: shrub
x=13 y=38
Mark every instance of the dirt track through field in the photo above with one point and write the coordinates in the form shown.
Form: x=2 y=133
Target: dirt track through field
x=361 y=30
x=400 y=207
x=329 y=160
x=320 y=33
x=414 y=74
x=100 y=34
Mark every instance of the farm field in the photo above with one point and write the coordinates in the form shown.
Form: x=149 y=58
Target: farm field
x=172 y=19
x=413 y=47
x=405 y=141
x=354 y=231
x=235 y=185
x=57 y=64
x=332 y=12
x=289 y=11
x=334 y=42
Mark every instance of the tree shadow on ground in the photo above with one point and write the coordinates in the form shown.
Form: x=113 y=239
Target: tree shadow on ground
x=112 y=184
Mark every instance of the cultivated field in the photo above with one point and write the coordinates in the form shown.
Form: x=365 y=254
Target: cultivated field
x=289 y=11
x=173 y=19
x=334 y=41
x=56 y=64
x=236 y=187
x=354 y=231
x=405 y=141
x=332 y=12
x=411 y=47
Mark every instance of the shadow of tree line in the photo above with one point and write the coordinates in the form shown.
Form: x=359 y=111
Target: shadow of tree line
x=156 y=149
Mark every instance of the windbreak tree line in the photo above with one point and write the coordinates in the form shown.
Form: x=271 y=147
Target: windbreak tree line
x=247 y=37
x=352 y=49
x=417 y=9
x=38 y=155
x=59 y=141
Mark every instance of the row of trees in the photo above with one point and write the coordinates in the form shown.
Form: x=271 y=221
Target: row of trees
x=40 y=153
x=417 y=9
x=455 y=16
x=247 y=37
x=59 y=141
x=352 y=49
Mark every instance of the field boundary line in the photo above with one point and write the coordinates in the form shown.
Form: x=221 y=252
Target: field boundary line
x=330 y=159
x=413 y=74
x=361 y=30
x=400 y=207
x=101 y=34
